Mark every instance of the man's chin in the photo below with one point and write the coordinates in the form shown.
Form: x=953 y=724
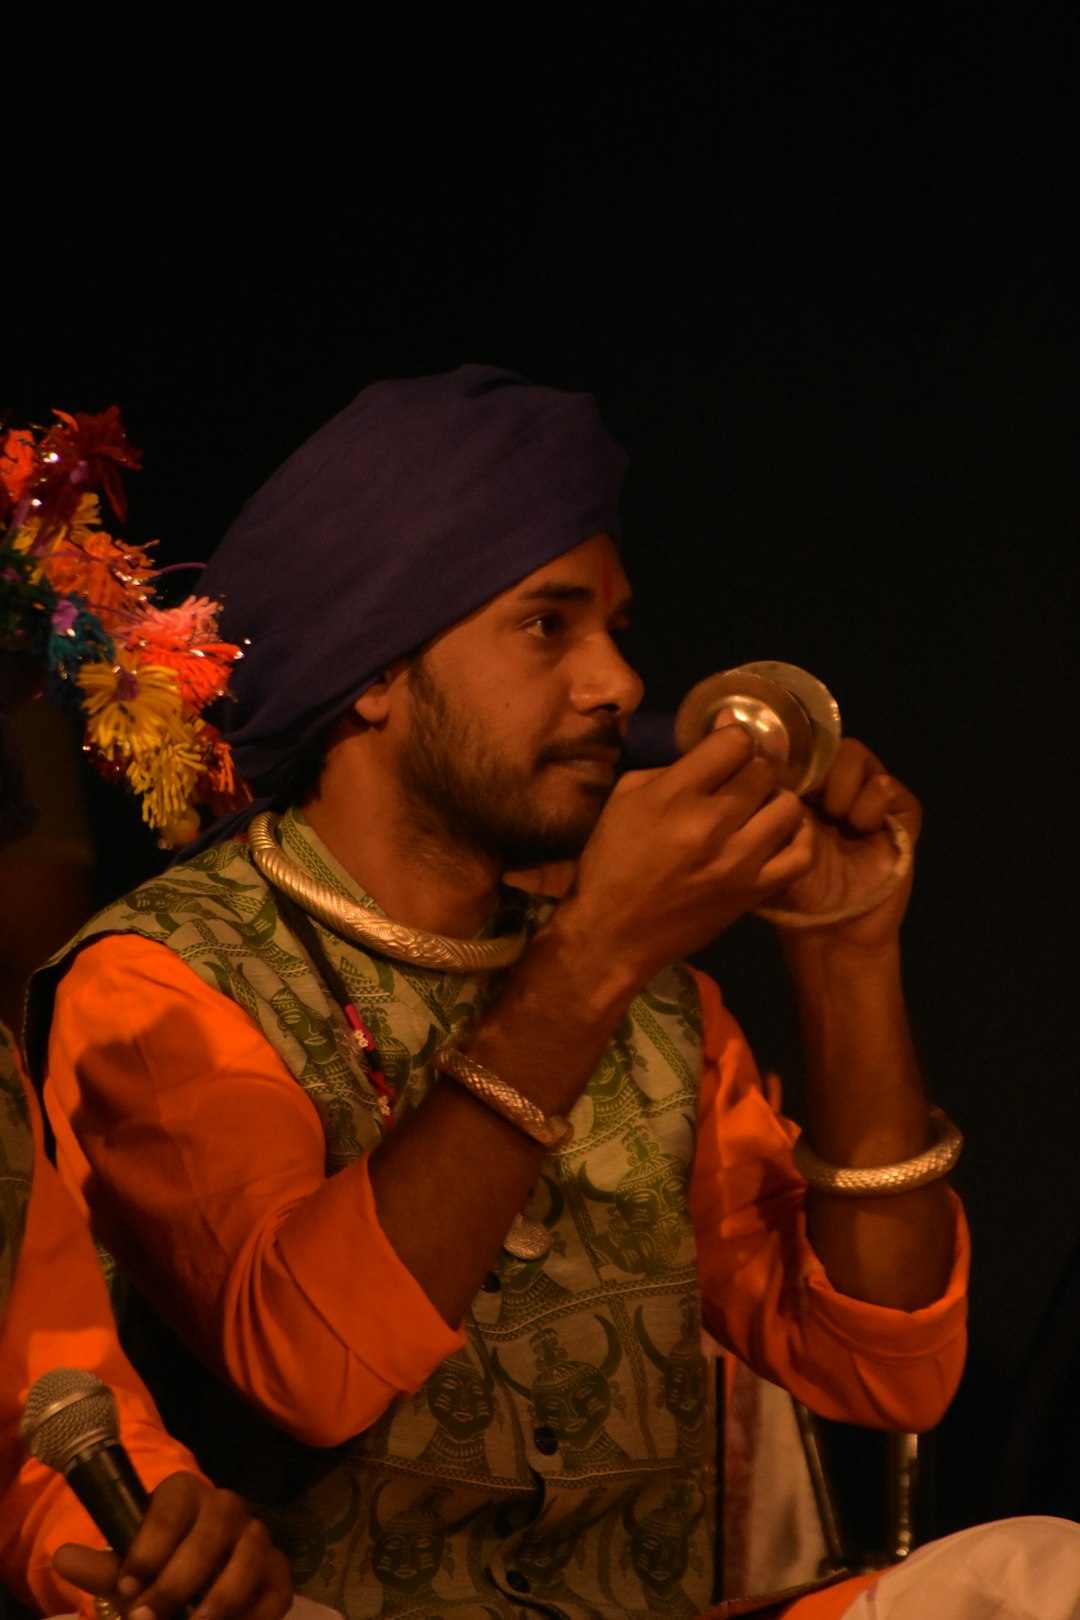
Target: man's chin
x=550 y=846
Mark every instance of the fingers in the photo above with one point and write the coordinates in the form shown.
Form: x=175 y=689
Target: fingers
x=791 y=861
x=712 y=761
x=859 y=791
x=708 y=766
x=254 y=1583
x=716 y=794
x=275 y=1597
x=722 y=777
x=770 y=824
x=94 y=1572
x=200 y=1544
x=849 y=773
x=173 y=1555
x=725 y=801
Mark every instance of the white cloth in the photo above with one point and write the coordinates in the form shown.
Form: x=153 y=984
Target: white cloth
x=304 y=1609
x=772 y=1530
x=1013 y=1569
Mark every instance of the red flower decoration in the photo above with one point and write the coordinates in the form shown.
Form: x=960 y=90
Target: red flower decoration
x=80 y=453
x=98 y=443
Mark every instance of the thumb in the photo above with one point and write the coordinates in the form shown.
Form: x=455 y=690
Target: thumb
x=95 y=1572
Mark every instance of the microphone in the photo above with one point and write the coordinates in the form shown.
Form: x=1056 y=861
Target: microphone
x=71 y=1424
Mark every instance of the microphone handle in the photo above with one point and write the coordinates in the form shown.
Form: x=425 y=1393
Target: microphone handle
x=112 y=1493
x=105 y=1481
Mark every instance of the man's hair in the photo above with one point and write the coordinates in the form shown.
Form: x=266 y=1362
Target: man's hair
x=299 y=782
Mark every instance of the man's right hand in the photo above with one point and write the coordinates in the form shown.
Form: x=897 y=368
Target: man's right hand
x=681 y=853
x=677 y=855
x=195 y=1544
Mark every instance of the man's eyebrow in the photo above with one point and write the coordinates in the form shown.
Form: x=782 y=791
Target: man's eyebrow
x=555 y=590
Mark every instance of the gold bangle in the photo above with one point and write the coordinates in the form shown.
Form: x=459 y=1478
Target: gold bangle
x=550 y=1130
x=875 y=1181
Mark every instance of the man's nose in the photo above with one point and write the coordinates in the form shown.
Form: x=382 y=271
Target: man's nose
x=606 y=681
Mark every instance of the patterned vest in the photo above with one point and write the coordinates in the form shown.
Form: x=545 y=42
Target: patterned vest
x=557 y=1465
x=16 y=1164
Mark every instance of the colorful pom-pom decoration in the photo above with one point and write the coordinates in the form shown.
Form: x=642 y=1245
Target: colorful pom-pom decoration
x=78 y=603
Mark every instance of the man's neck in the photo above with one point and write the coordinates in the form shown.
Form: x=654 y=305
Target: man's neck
x=416 y=874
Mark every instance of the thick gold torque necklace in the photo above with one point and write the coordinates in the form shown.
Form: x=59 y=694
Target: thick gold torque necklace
x=367 y=928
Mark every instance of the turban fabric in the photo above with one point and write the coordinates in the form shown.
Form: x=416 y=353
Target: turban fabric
x=418 y=503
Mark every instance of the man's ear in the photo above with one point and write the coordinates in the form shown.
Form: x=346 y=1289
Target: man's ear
x=374 y=703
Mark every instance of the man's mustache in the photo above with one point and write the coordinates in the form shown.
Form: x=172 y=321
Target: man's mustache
x=604 y=734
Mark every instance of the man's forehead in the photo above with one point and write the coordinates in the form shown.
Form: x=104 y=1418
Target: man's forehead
x=590 y=572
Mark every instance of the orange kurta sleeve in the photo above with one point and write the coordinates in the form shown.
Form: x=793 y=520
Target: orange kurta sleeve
x=766 y=1295
x=58 y=1315
x=202 y=1162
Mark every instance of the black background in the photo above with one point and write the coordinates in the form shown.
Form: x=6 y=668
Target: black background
x=817 y=263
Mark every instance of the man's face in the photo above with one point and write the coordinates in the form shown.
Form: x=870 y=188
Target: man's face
x=516 y=715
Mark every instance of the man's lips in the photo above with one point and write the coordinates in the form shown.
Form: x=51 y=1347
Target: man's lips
x=596 y=762
x=589 y=769
x=610 y=756
x=603 y=744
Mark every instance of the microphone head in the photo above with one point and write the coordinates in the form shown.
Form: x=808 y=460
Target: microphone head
x=68 y=1411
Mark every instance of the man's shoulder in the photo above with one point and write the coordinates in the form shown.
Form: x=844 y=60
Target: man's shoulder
x=215 y=902
x=215 y=912
x=220 y=883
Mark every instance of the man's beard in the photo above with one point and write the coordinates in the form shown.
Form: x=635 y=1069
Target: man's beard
x=461 y=786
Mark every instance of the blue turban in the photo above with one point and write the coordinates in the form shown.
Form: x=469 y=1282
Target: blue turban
x=417 y=504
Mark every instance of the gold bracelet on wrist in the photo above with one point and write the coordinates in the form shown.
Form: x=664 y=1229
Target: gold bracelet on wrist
x=875 y=1181
x=550 y=1130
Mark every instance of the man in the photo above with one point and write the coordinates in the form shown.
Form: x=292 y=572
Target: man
x=195 y=1542
x=406 y=1258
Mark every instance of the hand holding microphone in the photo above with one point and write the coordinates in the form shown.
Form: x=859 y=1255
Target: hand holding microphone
x=185 y=1547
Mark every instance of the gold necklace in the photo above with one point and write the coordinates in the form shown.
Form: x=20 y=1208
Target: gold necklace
x=366 y=927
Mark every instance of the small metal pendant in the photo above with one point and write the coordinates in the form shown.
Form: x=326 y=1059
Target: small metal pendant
x=526 y=1239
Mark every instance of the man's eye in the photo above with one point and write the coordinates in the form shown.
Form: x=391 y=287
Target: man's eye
x=545 y=625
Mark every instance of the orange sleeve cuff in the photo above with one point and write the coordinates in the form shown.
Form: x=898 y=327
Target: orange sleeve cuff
x=765 y=1292
x=398 y=1335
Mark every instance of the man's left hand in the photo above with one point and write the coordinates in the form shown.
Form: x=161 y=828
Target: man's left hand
x=195 y=1545
x=854 y=851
